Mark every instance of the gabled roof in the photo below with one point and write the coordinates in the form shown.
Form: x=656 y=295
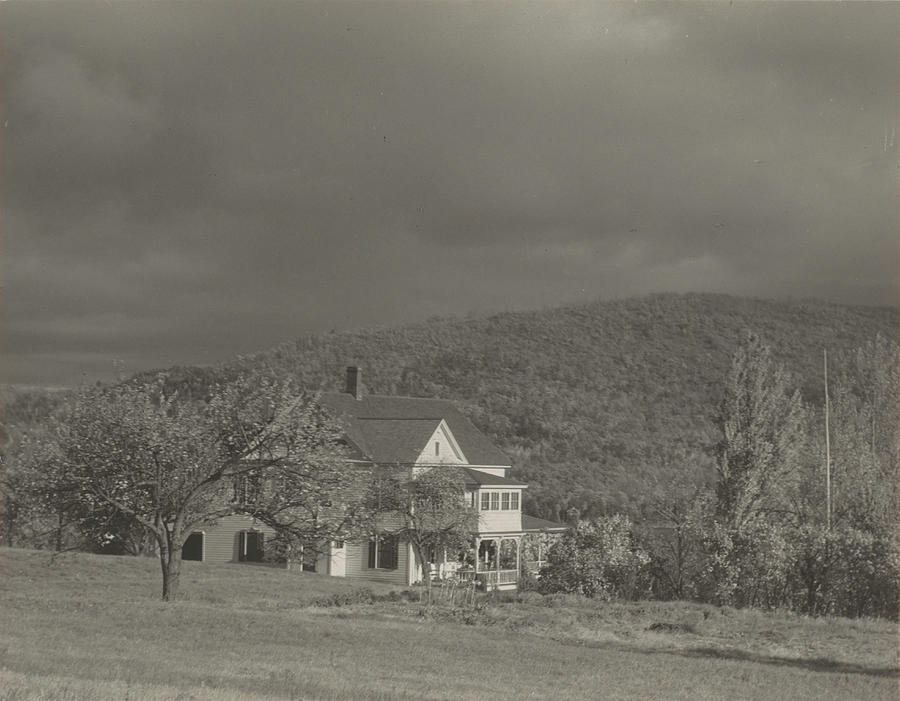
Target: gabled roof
x=532 y=523
x=396 y=440
x=384 y=419
x=477 y=478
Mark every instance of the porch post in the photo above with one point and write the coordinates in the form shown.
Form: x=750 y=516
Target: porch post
x=477 y=553
x=518 y=542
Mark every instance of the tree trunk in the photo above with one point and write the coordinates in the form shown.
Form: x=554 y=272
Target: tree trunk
x=170 y=562
x=426 y=570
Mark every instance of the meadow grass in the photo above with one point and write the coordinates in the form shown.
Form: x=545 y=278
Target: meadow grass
x=89 y=627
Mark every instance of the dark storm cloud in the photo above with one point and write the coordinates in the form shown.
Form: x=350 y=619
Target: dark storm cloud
x=186 y=181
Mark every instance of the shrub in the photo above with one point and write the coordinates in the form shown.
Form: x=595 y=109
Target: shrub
x=599 y=560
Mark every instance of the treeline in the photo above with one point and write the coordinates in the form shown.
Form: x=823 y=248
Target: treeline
x=775 y=528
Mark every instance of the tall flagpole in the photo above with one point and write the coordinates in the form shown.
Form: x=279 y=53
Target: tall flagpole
x=827 y=450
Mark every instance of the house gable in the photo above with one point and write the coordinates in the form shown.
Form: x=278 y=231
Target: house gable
x=442 y=448
x=396 y=440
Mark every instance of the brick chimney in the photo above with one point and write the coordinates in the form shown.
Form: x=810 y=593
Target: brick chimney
x=354 y=381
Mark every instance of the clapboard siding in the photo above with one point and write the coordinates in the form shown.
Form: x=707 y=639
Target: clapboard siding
x=499 y=521
x=356 y=565
x=220 y=542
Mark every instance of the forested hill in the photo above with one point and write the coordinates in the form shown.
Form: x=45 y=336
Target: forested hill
x=590 y=401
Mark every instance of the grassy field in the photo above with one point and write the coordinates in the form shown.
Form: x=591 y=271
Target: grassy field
x=90 y=627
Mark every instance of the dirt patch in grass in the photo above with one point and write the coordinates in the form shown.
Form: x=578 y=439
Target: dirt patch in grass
x=667 y=627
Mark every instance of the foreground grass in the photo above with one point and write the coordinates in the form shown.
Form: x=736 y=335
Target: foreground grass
x=87 y=627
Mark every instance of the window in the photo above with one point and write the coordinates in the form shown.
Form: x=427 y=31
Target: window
x=437 y=448
x=383 y=552
x=250 y=546
x=500 y=501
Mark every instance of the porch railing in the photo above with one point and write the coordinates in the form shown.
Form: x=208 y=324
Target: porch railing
x=491 y=579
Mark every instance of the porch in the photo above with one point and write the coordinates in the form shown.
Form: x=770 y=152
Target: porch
x=497 y=562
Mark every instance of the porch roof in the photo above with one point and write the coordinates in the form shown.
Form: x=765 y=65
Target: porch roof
x=534 y=524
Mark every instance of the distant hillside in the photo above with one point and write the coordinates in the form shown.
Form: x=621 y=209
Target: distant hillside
x=590 y=401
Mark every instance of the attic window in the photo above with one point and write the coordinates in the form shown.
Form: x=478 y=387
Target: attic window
x=437 y=448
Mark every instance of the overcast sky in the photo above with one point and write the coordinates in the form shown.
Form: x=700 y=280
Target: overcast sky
x=185 y=182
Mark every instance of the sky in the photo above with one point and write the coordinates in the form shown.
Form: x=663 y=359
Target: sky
x=184 y=182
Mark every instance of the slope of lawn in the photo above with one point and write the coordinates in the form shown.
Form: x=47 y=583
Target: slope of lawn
x=89 y=627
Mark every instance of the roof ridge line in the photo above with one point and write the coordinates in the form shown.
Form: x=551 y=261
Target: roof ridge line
x=392 y=396
x=399 y=418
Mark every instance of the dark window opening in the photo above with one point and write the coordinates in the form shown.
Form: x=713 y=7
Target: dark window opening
x=309 y=560
x=250 y=546
x=193 y=547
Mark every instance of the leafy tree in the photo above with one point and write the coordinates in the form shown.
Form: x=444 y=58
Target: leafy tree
x=866 y=437
x=759 y=458
x=136 y=453
x=33 y=513
x=426 y=507
x=761 y=421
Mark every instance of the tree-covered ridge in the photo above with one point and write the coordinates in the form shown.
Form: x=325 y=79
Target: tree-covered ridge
x=594 y=403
